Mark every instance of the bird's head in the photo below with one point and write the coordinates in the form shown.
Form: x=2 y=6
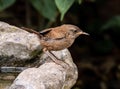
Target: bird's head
x=73 y=30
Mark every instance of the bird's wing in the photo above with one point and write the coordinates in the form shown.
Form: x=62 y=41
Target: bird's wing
x=52 y=34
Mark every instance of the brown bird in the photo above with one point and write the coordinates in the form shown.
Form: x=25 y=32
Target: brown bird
x=57 y=38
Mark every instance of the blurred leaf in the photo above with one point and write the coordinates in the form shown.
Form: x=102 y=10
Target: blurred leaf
x=5 y=4
x=63 y=6
x=79 y=1
x=46 y=7
x=112 y=23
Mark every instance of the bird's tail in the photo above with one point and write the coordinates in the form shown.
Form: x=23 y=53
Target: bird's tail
x=31 y=31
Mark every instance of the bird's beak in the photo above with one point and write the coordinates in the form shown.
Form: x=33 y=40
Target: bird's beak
x=85 y=33
x=79 y=33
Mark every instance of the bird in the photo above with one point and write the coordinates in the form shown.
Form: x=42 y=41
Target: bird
x=57 y=38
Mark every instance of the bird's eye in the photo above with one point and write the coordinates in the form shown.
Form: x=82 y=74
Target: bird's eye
x=75 y=31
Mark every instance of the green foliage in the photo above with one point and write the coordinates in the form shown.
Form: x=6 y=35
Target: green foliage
x=45 y=7
x=63 y=6
x=5 y=4
x=112 y=23
x=79 y=1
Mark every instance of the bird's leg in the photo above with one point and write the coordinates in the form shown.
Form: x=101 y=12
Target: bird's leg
x=55 y=59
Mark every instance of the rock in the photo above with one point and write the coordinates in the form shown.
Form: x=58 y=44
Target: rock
x=10 y=77
x=49 y=75
x=17 y=43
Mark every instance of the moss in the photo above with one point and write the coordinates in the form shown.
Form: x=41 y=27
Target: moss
x=35 y=53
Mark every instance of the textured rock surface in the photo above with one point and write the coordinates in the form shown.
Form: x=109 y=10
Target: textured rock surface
x=49 y=75
x=17 y=42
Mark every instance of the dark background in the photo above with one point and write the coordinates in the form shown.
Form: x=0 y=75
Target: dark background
x=97 y=56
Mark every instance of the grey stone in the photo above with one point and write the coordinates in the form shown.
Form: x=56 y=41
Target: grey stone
x=49 y=75
x=17 y=42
